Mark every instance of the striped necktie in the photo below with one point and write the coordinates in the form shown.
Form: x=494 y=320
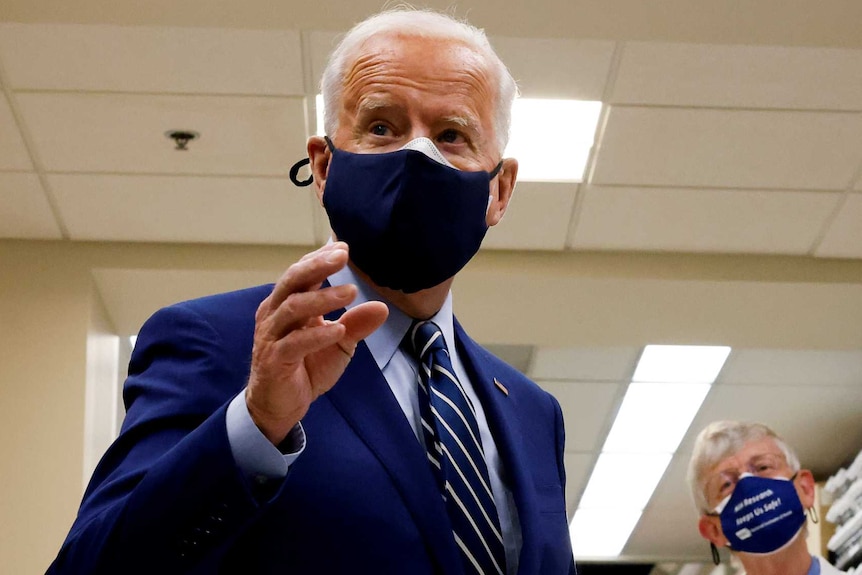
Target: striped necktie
x=456 y=455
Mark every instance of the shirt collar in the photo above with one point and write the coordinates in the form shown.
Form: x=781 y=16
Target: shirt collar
x=384 y=342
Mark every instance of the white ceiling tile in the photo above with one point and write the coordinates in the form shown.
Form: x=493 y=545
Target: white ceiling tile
x=149 y=59
x=578 y=468
x=126 y=133
x=792 y=367
x=24 y=209
x=843 y=239
x=692 y=220
x=614 y=364
x=13 y=152
x=729 y=149
x=670 y=505
x=739 y=76
x=537 y=218
x=557 y=68
x=184 y=209
x=820 y=421
x=588 y=409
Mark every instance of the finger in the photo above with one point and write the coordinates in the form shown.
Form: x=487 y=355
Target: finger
x=324 y=248
x=361 y=321
x=306 y=309
x=299 y=344
x=308 y=274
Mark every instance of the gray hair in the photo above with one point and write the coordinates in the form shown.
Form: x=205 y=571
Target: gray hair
x=720 y=440
x=408 y=21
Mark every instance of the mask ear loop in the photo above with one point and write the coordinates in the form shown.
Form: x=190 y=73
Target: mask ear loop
x=715 y=556
x=294 y=170
x=495 y=171
x=294 y=173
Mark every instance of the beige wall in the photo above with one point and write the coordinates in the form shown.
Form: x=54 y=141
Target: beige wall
x=44 y=317
x=51 y=295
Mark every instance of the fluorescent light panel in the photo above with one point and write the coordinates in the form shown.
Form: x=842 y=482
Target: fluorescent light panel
x=668 y=388
x=624 y=480
x=551 y=139
x=601 y=532
x=680 y=363
x=654 y=417
x=318 y=103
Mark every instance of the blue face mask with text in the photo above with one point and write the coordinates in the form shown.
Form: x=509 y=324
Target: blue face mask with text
x=410 y=219
x=762 y=515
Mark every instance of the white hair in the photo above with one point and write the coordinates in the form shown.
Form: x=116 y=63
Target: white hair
x=722 y=439
x=408 y=21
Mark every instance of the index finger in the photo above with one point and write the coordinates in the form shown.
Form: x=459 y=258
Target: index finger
x=309 y=272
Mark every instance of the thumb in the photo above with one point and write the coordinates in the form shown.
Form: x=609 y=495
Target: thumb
x=362 y=320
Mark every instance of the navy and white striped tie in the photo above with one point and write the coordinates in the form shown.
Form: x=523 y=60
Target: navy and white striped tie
x=456 y=455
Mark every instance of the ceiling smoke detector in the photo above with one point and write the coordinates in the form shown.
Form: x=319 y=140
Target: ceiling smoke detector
x=182 y=138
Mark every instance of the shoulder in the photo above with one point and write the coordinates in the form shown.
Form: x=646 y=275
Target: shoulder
x=229 y=307
x=211 y=321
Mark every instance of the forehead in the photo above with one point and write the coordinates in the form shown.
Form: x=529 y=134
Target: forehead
x=413 y=70
x=749 y=450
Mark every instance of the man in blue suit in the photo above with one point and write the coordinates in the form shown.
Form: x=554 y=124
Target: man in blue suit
x=282 y=429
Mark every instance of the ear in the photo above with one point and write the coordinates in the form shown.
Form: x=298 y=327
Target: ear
x=805 y=486
x=505 y=188
x=710 y=529
x=319 y=156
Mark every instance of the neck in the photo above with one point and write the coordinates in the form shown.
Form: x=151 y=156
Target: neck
x=792 y=560
x=418 y=305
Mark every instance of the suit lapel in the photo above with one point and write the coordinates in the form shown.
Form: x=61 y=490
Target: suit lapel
x=507 y=429
x=363 y=397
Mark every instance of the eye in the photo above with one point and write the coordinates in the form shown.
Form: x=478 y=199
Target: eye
x=450 y=136
x=379 y=129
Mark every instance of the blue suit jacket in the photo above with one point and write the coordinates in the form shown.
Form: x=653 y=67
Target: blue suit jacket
x=168 y=498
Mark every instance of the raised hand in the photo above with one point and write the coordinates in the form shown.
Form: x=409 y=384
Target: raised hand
x=297 y=355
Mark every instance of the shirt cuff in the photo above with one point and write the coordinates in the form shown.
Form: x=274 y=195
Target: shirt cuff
x=253 y=453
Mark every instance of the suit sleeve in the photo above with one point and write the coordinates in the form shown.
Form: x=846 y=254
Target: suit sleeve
x=560 y=432
x=168 y=497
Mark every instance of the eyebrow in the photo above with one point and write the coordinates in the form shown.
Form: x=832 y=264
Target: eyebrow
x=371 y=104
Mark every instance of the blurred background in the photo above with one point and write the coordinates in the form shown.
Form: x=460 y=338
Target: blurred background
x=698 y=182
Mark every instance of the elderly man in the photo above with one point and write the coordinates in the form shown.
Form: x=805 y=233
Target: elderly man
x=752 y=495
x=341 y=421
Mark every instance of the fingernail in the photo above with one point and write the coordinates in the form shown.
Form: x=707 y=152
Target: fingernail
x=335 y=256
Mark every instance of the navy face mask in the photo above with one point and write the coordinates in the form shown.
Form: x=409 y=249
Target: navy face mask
x=411 y=221
x=762 y=515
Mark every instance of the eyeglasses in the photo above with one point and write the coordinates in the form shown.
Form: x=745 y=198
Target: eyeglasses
x=721 y=485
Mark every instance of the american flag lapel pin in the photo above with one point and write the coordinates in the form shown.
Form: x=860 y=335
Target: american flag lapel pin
x=501 y=387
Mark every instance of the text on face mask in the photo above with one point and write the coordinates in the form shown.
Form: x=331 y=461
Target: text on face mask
x=748 y=501
x=757 y=511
